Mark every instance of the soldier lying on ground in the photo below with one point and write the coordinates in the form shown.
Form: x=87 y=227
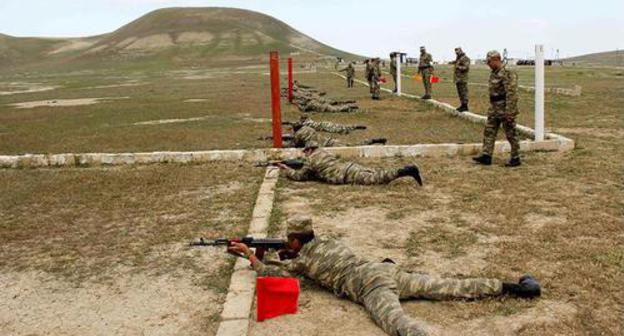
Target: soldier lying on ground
x=305 y=135
x=319 y=165
x=378 y=286
x=309 y=100
x=324 y=126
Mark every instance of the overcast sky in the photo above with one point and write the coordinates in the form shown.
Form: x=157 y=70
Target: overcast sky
x=366 y=27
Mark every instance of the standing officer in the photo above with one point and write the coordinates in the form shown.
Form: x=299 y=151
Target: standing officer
x=425 y=68
x=393 y=70
x=460 y=75
x=503 y=110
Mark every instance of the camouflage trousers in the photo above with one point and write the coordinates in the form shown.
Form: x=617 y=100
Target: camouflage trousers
x=394 y=78
x=350 y=81
x=493 y=123
x=385 y=285
x=462 y=92
x=426 y=78
x=375 y=87
x=360 y=175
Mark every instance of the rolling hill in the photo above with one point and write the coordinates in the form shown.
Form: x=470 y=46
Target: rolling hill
x=168 y=38
x=609 y=58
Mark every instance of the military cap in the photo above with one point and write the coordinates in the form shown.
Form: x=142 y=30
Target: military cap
x=493 y=54
x=458 y=49
x=299 y=224
x=422 y=47
x=311 y=145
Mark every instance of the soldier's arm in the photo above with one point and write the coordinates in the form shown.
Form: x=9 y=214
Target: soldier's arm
x=303 y=174
x=511 y=89
x=463 y=64
x=284 y=269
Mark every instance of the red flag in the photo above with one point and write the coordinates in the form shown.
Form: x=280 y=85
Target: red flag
x=276 y=297
x=434 y=79
x=382 y=80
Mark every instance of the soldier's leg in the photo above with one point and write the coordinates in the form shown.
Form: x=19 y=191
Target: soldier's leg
x=462 y=92
x=368 y=176
x=489 y=134
x=385 y=308
x=427 y=82
x=512 y=137
x=413 y=285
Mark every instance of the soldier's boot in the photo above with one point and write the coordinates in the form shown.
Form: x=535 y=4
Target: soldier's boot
x=463 y=108
x=426 y=97
x=514 y=162
x=412 y=171
x=483 y=159
x=527 y=287
x=380 y=141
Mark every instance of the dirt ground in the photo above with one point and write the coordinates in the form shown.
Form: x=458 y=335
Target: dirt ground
x=105 y=251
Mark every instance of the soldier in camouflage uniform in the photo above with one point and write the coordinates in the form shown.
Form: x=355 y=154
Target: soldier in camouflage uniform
x=375 y=77
x=460 y=75
x=305 y=135
x=350 y=71
x=378 y=286
x=393 y=70
x=425 y=69
x=503 y=87
x=326 y=126
x=310 y=100
x=320 y=165
x=368 y=72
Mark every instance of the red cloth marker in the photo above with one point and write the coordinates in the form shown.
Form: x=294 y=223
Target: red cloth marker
x=276 y=297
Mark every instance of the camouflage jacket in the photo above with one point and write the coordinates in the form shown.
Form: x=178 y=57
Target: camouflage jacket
x=326 y=167
x=503 y=87
x=425 y=62
x=305 y=134
x=368 y=70
x=376 y=72
x=393 y=67
x=350 y=70
x=329 y=127
x=329 y=263
x=461 y=69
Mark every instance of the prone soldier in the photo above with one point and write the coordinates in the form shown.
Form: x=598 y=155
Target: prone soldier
x=503 y=88
x=325 y=126
x=378 y=286
x=425 y=68
x=304 y=136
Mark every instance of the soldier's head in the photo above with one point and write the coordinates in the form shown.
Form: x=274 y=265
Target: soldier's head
x=494 y=60
x=392 y=55
x=423 y=50
x=458 y=51
x=304 y=117
x=310 y=147
x=299 y=232
x=366 y=61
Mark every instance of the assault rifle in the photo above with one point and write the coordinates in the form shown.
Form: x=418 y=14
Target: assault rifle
x=261 y=245
x=292 y=163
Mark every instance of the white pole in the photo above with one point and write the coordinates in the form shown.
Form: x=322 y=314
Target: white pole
x=398 y=76
x=539 y=92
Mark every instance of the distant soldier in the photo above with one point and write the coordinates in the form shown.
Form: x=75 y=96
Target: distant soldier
x=320 y=165
x=326 y=126
x=503 y=84
x=305 y=135
x=375 y=77
x=425 y=68
x=378 y=286
x=460 y=75
x=368 y=70
x=350 y=71
x=393 y=70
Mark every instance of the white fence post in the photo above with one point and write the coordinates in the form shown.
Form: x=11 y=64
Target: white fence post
x=398 y=76
x=539 y=92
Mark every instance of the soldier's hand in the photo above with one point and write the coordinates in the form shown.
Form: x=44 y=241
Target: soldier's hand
x=510 y=118
x=282 y=166
x=239 y=248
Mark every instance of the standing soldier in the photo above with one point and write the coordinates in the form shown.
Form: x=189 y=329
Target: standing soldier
x=350 y=71
x=425 y=68
x=461 y=67
x=367 y=73
x=375 y=78
x=503 y=110
x=393 y=70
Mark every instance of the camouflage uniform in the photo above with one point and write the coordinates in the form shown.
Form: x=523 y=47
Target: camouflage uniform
x=377 y=286
x=329 y=127
x=368 y=72
x=503 y=84
x=307 y=134
x=375 y=77
x=326 y=167
x=460 y=75
x=393 y=71
x=350 y=70
x=425 y=68
x=312 y=105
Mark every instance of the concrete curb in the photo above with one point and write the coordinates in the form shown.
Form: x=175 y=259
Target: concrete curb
x=239 y=300
x=563 y=144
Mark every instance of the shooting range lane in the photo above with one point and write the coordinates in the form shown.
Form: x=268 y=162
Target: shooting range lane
x=237 y=307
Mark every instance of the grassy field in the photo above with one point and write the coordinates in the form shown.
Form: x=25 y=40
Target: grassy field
x=105 y=250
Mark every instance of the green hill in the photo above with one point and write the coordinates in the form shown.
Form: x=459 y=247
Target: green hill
x=169 y=38
x=608 y=58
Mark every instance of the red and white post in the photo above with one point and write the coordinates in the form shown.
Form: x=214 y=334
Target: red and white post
x=290 y=79
x=275 y=100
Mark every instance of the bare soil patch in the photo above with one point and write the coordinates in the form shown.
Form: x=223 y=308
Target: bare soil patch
x=65 y=102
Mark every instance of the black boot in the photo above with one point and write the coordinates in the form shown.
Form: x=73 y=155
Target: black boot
x=462 y=108
x=484 y=159
x=412 y=171
x=380 y=141
x=426 y=97
x=514 y=162
x=527 y=287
